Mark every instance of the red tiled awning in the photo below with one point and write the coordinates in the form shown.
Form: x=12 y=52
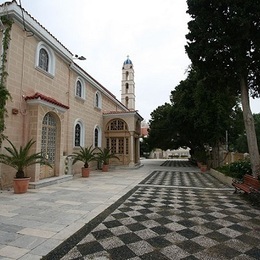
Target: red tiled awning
x=39 y=96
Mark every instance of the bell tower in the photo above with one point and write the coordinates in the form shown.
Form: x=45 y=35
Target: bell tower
x=128 y=85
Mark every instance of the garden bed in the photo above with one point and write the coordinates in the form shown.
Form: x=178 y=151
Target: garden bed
x=221 y=177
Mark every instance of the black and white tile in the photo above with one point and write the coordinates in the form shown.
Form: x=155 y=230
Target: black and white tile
x=170 y=215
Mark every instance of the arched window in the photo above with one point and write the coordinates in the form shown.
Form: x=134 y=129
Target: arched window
x=97 y=137
x=78 y=134
x=98 y=101
x=118 y=143
x=45 y=58
x=117 y=124
x=127 y=101
x=127 y=75
x=80 y=88
x=126 y=88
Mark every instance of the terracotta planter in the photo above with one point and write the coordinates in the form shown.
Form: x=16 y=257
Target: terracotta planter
x=203 y=168
x=199 y=164
x=21 y=185
x=105 y=168
x=85 y=172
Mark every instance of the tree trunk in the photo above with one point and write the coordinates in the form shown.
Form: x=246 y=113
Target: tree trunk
x=250 y=129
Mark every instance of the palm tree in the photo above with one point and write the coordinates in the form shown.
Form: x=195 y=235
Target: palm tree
x=21 y=158
x=104 y=156
x=85 y=155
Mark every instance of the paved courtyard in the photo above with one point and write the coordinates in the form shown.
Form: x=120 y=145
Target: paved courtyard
x=163 y=210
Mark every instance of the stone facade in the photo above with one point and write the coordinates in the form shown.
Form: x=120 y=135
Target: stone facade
x=57 y=103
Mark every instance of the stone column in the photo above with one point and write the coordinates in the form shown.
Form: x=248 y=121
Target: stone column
x=132 y=150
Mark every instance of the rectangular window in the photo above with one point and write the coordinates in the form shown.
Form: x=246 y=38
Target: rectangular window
x=113 y=145
x=108 y=146
x=121 y=145
x=126 y=146
x=118 y=145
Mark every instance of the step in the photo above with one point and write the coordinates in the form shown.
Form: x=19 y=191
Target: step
x=50 y=181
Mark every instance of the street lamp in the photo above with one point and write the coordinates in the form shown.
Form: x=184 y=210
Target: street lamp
x=79 y=57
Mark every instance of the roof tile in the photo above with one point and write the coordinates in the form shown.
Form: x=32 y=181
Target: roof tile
x=38 y=95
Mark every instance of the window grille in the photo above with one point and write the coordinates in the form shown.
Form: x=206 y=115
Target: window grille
x=121 y=145
x=126 y=146
x=107 y=143
x=117 y=125
x=113 y=145
x=79 y=89
x=44 y=59
x=77 y=134
x=97 y=100
x=48 y=143
x=96 y=137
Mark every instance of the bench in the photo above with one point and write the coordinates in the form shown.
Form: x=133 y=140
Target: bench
x=249 y=184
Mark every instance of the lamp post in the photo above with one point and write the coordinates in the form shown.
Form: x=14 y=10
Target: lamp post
x=79 y=57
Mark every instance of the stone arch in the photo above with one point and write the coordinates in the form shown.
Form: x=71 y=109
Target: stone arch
x=50 y=144
x=117 y=138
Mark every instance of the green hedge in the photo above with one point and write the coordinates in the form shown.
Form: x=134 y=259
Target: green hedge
x=236 y=169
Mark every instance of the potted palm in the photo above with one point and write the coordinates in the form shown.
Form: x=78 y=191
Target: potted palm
x=85 y=155
x=20 y=159
x=201 y=157
x=103 y=156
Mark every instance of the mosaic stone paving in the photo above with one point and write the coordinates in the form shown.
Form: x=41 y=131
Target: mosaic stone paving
x=160 y=222
x=176 y=163
x=183 y=179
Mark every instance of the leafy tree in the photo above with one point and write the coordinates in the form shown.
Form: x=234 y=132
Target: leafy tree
x=224 y=43
x=160 y=128
x=257 y=127
x=202 y=112
x=197 y=116
x=144 y=147
x=184 y=113
x=240 y=143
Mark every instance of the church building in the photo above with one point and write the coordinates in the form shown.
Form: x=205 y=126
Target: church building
x=58 y=104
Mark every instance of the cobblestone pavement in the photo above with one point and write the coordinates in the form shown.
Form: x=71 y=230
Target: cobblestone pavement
x=171 y=214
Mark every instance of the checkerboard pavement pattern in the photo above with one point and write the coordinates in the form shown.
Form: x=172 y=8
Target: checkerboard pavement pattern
x=183 y=179
x=177 y=163
x=165 y=219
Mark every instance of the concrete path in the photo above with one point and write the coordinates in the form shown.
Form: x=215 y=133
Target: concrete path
x=127 y=214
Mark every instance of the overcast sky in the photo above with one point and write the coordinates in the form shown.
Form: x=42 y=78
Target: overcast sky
x=151 y=32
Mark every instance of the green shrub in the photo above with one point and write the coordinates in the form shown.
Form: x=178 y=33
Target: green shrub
x=236 y=169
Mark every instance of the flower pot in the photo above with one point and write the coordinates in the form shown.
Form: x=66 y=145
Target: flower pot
x=203 y=168
x=105 y=168
x=21 y=185
x=199 y=164
x=85 y=172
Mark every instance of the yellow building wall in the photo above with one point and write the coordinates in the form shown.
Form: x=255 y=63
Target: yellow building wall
x=24 y=79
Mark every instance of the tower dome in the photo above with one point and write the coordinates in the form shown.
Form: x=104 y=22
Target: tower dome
x=127 y=61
